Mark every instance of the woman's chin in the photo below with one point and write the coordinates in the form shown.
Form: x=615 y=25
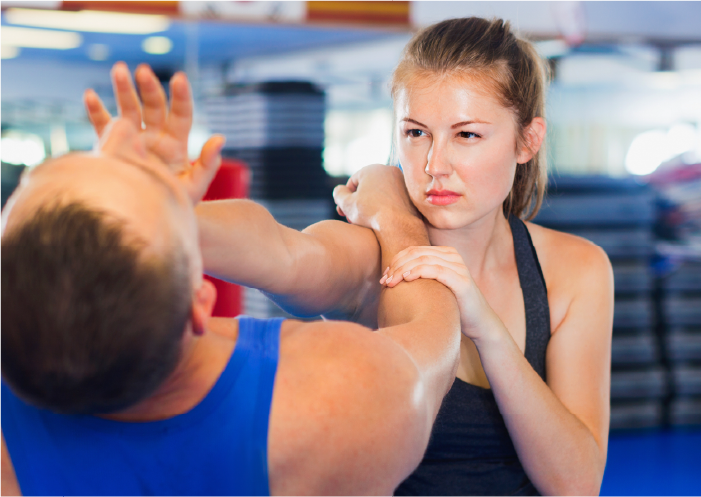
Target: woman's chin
x=446 y=220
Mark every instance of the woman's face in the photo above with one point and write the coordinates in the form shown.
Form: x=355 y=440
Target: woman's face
x=457 y=148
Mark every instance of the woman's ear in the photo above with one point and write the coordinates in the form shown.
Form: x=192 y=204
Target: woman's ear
x=534 y=134
x=202 y=306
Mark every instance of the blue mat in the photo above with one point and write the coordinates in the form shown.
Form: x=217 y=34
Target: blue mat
x=663 y=462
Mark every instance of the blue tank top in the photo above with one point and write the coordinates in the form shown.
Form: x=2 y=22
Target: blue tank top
x=217 y=448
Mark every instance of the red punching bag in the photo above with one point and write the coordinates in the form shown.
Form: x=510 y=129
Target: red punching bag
x=231 y=181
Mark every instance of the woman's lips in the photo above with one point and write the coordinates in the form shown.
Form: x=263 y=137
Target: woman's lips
x=442 y=197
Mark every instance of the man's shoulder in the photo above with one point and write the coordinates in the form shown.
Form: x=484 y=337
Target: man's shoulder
x=342 y=393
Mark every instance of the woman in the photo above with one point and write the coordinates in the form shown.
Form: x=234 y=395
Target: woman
x=469 y=103
x=528 y=412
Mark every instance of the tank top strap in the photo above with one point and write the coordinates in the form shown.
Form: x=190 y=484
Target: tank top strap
x=261 y=337
x=535 y=295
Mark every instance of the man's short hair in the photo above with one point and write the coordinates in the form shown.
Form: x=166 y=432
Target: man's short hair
x=91 y=321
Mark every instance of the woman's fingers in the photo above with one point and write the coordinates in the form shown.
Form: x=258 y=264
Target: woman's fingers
x=203 y=171
x=448 y=254
x=153 y=97
x=97 y=113
x=396 y=274
x=442 y=274
x=181 y=107
x=125 y=93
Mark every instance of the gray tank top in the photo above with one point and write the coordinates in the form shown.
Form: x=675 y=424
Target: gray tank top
x=470 y=451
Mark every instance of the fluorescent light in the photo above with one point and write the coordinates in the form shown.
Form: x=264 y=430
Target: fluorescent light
x=157 y=45
x=21 y=148
x=9 y=52
x=89 y=21
x=652 y=148
x=39 y=38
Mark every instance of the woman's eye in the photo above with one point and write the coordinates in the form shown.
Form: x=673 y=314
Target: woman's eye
x=468 y=134
x=415 y=133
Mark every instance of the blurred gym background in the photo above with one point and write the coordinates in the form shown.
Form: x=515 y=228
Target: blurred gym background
x=300 y=89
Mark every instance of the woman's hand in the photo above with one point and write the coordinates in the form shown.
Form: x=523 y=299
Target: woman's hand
x=372 y=192
x=446 y=265
x=165 y=130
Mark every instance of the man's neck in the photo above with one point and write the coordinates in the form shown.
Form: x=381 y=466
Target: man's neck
x=203 y=360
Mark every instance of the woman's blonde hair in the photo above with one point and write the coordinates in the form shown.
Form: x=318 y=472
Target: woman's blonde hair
x=489 y=52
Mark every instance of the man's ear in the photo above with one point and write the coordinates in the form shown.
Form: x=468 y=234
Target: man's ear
x=534 y=135
x=202 y=305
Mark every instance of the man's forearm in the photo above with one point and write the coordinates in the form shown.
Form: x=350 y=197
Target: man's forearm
x=421 y=316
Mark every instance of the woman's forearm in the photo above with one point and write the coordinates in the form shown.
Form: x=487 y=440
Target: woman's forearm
x=323 y=269
x=558 y=452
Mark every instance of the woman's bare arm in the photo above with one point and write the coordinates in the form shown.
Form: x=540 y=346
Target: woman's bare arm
x=560 y=429
x=330 y=268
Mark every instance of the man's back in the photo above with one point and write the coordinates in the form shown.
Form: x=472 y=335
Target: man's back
x=219 y=447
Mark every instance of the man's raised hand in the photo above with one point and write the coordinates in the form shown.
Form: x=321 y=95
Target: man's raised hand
x=165 y=130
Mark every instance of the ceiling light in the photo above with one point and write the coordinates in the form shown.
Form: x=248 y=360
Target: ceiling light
x=39 y=38
x=89 y=20
x=9 y=52
x=22 y=149
x=652 y=148
x=157 y=45
x=98 y=51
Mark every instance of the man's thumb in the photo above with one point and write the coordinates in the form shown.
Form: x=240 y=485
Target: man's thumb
x=340 y=194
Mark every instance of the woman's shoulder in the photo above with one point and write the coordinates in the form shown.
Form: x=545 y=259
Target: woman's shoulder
x=558 y=248
x=572 y=267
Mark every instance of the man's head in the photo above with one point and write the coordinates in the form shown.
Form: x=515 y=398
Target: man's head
x=101 y=279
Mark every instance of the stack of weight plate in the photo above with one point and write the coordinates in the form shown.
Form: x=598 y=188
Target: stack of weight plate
x=682 y=316
x=617 y=215
x=277 y=129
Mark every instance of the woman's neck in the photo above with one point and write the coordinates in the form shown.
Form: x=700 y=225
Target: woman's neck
x=483 y=244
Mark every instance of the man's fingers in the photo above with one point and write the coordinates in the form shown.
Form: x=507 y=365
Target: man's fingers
x=180 y=115
x=127 y=99
x=353 y=183
x=206 y=167
x=97 y=113
x=152 y=96
x=340 y=194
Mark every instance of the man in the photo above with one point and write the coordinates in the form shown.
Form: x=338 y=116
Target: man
x=117 y=381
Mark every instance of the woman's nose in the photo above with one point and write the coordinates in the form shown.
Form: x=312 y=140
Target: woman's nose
x=437 y=162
